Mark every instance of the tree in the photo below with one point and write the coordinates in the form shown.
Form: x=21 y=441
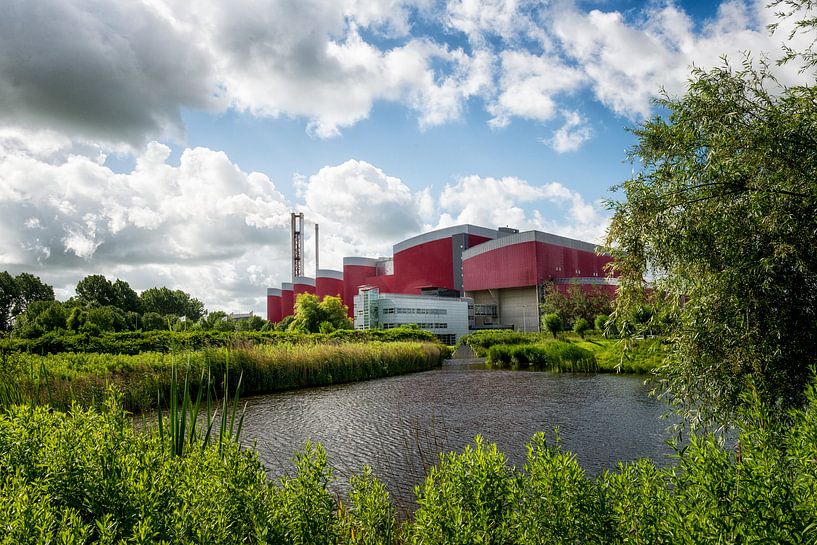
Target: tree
x=29 y=289
x=41 y=317
x=575 y=302
x=164 y=301
x=152 y=321
x=580 y=327
x=311 y=312
x=96 y=290
x=552 y=323
x=723 y=215
x=126 y=298
x=8 y=297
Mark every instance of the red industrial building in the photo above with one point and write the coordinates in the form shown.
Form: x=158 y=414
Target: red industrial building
x=503 y=271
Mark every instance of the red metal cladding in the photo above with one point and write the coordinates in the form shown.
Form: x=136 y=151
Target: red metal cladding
x=287 y=303
x=385 y=283
x=328 y=286
x=355 y=276
x=424 y=265
x=528 y=264
x=298 y=289
x=274 y=308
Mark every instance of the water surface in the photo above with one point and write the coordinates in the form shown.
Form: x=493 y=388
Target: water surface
x=398 y=425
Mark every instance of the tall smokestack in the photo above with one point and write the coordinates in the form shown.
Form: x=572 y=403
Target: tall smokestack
x=317 y=246
x=297 y=244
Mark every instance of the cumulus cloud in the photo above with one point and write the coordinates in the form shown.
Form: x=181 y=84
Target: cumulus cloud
x=517 y=203
x=78 y=215
x=571 y=135
x=361 y=210
x=627 y=62
x=529 y=86
x=110 y=71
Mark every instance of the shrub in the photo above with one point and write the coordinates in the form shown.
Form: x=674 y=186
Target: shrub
x=580 y=326
x=552 y=323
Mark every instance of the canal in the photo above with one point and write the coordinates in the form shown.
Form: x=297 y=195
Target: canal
x=398 y=425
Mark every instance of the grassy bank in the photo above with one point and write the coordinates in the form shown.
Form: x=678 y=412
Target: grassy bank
x=85 y=377
x=136 y=342
x=88 y=477
x=593 y=353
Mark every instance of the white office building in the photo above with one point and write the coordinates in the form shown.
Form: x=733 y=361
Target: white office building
x=446 y=317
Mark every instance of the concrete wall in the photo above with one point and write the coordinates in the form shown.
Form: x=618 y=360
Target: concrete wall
x=519 y=307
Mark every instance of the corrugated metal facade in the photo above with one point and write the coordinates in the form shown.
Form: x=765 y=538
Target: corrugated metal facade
x=328 y=286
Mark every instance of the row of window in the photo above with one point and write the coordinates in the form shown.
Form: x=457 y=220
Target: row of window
x=421 y=325
x=401 y=310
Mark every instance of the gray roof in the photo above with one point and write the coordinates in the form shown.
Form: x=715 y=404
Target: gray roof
x=275 y=292
x=329 y=273
x=360 y=261
x=305 y=280
x=444 y=233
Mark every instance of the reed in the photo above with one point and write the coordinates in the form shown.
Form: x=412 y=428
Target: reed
x=549 y=356
x=84 y=378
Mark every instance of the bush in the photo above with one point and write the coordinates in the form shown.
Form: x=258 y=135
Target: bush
x=552 y=323
x=580 y=326
x=554 y=355
x=481 y=341
x=600 y=322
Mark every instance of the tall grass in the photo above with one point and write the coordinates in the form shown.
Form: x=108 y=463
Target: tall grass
x=550 y=356
x=87 y=476
x=84 y=378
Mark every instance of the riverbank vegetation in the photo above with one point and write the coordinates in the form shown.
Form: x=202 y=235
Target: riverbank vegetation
x=570 y=352
x=135 y=342
x=86 y=476
x=143 y=379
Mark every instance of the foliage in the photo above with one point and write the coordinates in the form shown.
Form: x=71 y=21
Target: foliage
x=40 y=317
x=96 y=290
x=575 y=302
x=311 y=312
x=89 y=477
x=8 y=296
x=481 y=341
x=161 y=339
x=723 y=214
x=552 y=323
x=17 y=293
x=551 y=356
x=164 y=301
x=580 y=327
x=84 y=378
x=600 y=322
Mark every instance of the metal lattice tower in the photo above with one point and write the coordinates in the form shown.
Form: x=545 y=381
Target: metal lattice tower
x=297 y=244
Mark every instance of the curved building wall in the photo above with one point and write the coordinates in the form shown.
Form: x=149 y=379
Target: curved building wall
x=435 y=259
x=329 y=283
x=302 y=284
x=274 y=305
x=287 y=300
x=528 y=259
x=355 y=272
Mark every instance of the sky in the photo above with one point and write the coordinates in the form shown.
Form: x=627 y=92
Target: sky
x=165 y=142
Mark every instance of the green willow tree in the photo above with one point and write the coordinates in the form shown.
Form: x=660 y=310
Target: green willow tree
x=722 y=213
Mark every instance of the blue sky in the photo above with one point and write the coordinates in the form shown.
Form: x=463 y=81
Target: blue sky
x=165 y=142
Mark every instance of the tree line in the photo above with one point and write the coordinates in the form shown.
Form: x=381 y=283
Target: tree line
x=29 y=309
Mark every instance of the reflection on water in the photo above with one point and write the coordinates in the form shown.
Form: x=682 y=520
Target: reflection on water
x=399 y=425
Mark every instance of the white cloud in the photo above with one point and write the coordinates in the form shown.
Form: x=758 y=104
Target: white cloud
x=78 y=215
x=529 y=85
x=571 y=135
x=628 y=62
x=361 y=210
x=107 y=71
x=510 y=201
